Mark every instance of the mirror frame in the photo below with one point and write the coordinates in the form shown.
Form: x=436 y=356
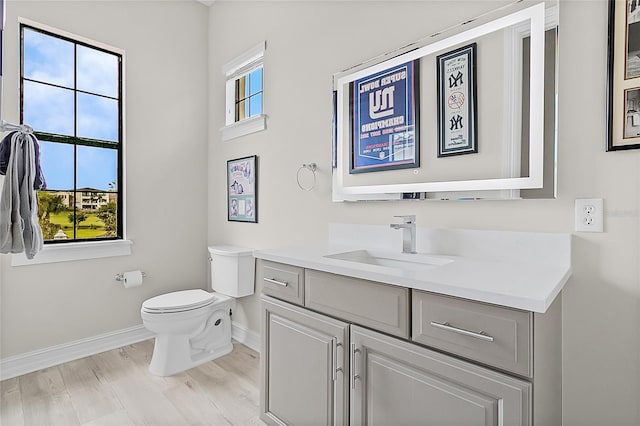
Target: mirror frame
x=535 y=16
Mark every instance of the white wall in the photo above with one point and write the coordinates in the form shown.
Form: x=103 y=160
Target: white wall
x=308 y=41
x=166 y=113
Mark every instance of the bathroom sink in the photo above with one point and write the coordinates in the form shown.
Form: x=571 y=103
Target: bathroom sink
x=406 y=261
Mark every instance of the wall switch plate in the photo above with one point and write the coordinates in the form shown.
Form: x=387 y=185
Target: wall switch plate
x=589 y=215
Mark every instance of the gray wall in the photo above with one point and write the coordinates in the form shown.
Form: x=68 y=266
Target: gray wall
x=308 y=41
x=166 y=146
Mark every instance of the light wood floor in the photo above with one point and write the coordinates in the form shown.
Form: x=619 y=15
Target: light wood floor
x=115 y=388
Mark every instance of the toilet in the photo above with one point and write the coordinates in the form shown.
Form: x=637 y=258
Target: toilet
x=194 y=326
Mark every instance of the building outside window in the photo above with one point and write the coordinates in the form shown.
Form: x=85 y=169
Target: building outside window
x=71 y=94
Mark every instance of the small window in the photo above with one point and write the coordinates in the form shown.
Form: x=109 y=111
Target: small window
x=72 y=97
x=244 y=94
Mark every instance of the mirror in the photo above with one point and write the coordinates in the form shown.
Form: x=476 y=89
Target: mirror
x=454 y=116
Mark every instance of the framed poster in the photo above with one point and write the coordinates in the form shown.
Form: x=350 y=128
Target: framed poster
x=242 y=200
x=623 y=91
x=383 y=114
x=456 y=77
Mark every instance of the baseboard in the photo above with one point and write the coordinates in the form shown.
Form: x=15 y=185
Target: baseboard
x=245 y=336
x=48 y=357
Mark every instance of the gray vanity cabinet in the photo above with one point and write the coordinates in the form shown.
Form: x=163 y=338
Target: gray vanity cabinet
x=304 y=366
x=339 y=350
x=395 y=382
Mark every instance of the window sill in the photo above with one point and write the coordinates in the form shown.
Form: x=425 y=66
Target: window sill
x=75 y=251
x=244 y=127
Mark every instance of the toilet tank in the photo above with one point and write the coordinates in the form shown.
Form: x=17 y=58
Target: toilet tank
x=232 y=270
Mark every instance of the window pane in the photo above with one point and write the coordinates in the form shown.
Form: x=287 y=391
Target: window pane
x=54 y=208
x=93 y=212
x=56 y=161
x=97 y=168
x=48 y=109
x=255 y=105
x=255 y=79
x=96 y=214
x=97 y=72
x=242 y=110
x=108 y=216
x=241 y=88
x=48 y=59
x=97 y=117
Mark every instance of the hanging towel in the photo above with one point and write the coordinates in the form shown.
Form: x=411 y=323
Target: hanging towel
x=5 y=152
x=19 y=228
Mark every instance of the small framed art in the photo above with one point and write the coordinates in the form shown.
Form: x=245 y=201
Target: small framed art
x=457 y=127
x=242 y=200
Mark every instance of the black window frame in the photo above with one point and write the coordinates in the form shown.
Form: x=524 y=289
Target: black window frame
x=81 y=141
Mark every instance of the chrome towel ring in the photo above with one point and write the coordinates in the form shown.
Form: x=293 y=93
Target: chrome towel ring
x=312 y=167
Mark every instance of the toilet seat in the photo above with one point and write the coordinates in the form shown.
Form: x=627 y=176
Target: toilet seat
x=178 y=301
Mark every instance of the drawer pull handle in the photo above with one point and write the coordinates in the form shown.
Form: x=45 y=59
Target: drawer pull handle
x=272 y=281
x=446 y=326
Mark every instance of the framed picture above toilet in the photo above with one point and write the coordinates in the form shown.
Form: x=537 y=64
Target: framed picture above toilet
x=242 y=196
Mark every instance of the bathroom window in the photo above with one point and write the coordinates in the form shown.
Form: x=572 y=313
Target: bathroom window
x=244 y=94
x=71 y=94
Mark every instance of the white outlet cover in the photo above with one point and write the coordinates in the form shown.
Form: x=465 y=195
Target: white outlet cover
x=589 y=215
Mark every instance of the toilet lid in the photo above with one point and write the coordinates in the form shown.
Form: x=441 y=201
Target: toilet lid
x=178 y=301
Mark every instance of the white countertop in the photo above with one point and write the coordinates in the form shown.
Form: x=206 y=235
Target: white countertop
x=517 y=283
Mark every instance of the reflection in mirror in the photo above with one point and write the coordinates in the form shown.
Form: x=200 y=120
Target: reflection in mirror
x=508 y=105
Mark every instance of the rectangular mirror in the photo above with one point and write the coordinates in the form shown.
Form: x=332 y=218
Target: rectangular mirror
x=468 y=111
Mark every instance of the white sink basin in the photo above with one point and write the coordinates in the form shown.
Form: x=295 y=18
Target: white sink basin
x=406 y=261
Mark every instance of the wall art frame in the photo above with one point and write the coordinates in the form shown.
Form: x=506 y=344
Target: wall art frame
x=457 y=104
x=242 y=193
x=384 y=120
x=623 y=82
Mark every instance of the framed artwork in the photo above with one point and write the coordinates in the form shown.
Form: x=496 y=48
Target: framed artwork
x=623 y=88
x=384 y=125
x=457 y=126
x=242 y=200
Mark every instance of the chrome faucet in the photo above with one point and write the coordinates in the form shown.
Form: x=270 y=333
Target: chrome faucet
x=408 y=227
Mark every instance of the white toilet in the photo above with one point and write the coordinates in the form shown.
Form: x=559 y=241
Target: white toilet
x=194 y=326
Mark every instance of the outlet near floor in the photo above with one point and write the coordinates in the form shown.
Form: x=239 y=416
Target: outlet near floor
x=589 y=215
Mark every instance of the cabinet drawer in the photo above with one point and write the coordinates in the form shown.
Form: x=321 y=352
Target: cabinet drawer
x=281 y=281
x=493 y=335
x=379 y=306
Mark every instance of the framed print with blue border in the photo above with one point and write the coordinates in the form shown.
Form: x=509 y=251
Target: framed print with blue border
x=384 y=120
x=242 y=200
x=456 y=76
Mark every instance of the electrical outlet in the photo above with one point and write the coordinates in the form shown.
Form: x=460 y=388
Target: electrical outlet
x=589 y=215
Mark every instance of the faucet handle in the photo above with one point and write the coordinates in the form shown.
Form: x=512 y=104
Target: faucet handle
x=410 y=218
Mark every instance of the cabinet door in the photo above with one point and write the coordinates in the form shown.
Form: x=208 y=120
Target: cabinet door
x=399 y=383
x=303 y=363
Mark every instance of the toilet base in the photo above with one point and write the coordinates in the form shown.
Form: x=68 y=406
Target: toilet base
x=165 y=362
